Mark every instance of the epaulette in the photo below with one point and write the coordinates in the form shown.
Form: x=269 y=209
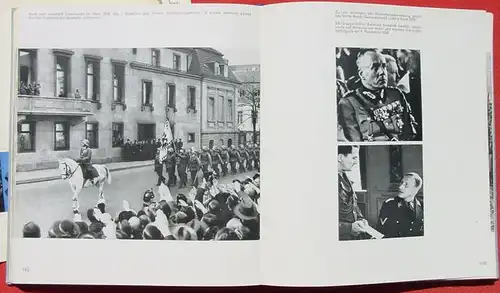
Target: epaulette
x=389 y=199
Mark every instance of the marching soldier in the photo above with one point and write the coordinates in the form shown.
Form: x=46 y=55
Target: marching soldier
x=216 y=160
x=206 y=161
x=194 y=166
x=224 y=154
x=182 y=162
x=170 y=166
x=257 y=158
x=243 y=158
x=234 y=157
x=251 y=156
x=402 y=216
x=374 y=111
x=158 y=167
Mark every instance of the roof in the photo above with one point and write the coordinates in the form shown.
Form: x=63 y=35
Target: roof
x=246 y=73
x=204 y=56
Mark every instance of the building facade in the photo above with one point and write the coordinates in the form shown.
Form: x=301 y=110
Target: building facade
x=248 y=103
x=110 y=96
x=219 y=96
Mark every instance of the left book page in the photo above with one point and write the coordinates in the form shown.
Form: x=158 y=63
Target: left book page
x=136 y=123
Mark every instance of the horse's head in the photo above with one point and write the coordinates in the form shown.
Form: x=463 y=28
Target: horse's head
x=64 y=169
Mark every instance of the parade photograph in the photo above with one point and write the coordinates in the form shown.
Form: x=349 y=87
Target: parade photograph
x=4 y=181
x=378 y=94
x=138 y=143
x=380 y=190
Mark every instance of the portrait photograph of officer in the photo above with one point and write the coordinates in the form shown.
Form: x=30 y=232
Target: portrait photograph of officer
x=378 y=94
x=380 y=191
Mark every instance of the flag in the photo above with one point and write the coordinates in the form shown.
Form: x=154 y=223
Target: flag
x=167 y=132
x=404 y=83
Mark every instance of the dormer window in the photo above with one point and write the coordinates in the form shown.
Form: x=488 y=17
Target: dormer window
x=221 y=69
x=177 y=62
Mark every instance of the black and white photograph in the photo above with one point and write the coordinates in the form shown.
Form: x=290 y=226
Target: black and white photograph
x=138 y=143
x=380 y=190
x=378 y=94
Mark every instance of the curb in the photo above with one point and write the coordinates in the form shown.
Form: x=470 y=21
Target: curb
x=52 y=178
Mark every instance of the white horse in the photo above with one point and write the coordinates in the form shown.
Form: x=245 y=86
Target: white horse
x=72 y=171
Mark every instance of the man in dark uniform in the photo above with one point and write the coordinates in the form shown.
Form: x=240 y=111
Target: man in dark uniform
x=224 y=154
x=216 y=160
x=182 y=162
x=170 y=166
x=351 y=220
x=206 y=161
x=402 y=216
x=374 y=111
x=159 y=167
x=243 y=158
x=257 y=157
x=234 y=157
x=85 y=161
x=194 y=166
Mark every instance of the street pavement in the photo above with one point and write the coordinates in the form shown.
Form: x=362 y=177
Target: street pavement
x=49 y=201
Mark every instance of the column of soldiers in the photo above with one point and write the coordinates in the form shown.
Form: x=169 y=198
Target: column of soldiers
x=218 y=161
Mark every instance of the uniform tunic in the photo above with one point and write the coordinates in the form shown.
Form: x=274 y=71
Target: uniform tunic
x=367 y=116
x=397 y=218
x=349 y=211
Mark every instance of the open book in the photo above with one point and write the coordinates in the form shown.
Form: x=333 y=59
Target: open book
x=354 y=122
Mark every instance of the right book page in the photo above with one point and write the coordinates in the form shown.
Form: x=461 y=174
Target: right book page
x=380 y=165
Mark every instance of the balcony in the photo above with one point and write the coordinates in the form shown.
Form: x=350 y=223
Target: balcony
x=29 y=105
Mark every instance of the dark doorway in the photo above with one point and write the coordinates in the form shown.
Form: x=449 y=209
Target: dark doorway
x=146 y=131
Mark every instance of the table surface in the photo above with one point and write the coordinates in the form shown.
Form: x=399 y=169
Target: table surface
x=427 y=287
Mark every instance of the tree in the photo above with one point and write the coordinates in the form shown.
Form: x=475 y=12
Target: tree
x=250 y=95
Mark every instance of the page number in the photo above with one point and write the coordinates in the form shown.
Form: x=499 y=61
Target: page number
x=482 y=263
x=26 y=270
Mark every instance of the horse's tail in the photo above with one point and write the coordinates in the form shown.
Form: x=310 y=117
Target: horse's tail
x=108 y=175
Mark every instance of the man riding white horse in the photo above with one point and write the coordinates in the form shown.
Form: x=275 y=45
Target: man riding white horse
x=85 y=161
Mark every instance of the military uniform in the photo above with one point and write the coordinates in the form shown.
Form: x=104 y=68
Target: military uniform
x=234 y=157
x=170 y=166
x=398 y=218
x=349 y=211
x=369 y=116
x=243 y=159
x=85 y=161
x=216 y=160
x=159 y=167
x=251 y=158
x=257 y=159
x=224 y=154
x=206 y=161
x=182 y=162
x=194 y=165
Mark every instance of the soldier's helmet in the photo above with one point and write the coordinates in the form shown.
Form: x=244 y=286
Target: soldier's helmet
x=232 y=146
x=204 y=148
x=85 y=142
x=170 y=150
x=224 y=147
x=148 y=196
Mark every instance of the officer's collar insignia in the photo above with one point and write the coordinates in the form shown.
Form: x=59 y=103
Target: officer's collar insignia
x=400 y=204
x=370 y=95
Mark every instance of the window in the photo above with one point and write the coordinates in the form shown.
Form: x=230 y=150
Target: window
x=171 y=95
x=92 y=134
x=240 y=117
x=177 y=62
x=117 y=139
x=230 y=110
x=62 y=75
x=118 y=82
x=211 y=109
x=134 y=51
x=146 y=131
x=188 y=61
x=221 y=108
x=192 y=98
x=27 y=66
x=211 y=144
x=92 y=80
x=191 y=137
x=147 y=89
x=221 y=69
x=155 y=57
x=61 y=136
x=26 y=137
x=217 y=68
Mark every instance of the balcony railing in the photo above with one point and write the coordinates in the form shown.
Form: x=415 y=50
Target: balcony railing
x=45 y=105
